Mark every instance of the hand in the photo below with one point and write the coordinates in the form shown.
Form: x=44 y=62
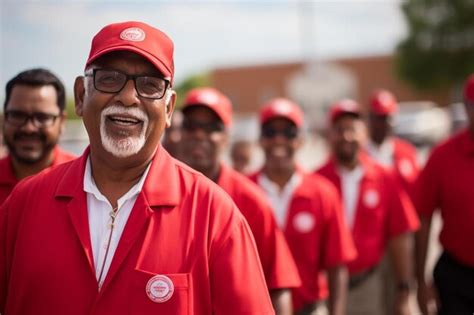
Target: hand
x=402 y=305
x=427 y=298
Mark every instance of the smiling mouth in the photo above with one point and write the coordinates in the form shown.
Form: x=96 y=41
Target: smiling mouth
x=124 y=120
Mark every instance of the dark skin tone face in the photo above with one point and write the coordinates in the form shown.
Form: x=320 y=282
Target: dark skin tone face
x=280 y=150
x=29 y=144
x=172 y=137
x=201 y=149
x=241 y=155
x=347 y=136
x=380 y=127
x=90 y=103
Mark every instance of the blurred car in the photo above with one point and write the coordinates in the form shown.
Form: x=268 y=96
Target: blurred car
x=422 y=122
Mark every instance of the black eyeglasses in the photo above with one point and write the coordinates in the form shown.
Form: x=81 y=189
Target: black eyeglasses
x=113 y=81
x=208 y=127
x=270 y=132
x=40 y=120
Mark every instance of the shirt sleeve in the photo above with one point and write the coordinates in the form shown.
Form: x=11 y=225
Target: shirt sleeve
x=402 y=216
x=277 y=261
x=338 y=246
x=427 y=191
x=237 y=280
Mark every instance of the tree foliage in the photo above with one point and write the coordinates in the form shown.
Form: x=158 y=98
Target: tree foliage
x=194 y=81
x=439 y=50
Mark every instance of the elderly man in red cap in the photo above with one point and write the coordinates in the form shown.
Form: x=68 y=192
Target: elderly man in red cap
x=307 y=209
x=126 y=229
x=207 y=117
x=385 y=148
x=446 y=183
x=378 y=211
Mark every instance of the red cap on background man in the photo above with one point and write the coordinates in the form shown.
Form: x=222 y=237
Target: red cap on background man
x=137 y=37
x=344 y=107
x=281 y=108
x=383 y=103
x=212 y=99
x=469 y=90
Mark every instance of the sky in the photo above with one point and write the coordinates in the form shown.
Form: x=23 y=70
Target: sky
x=56 y=34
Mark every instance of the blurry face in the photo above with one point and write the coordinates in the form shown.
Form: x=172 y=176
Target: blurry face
x=123 y=124
x=280 y=139
x=380 y=127
x=172 y=137
x=346 y=137
x=241 y=156
x=28 y=143
x=203 y=138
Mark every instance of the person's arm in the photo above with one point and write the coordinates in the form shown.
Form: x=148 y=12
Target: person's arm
x=338 y=281
x=425 y=291
x=281 y=301
x=400 y=248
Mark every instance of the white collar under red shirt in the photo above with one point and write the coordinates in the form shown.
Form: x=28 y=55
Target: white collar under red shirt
x=98 y=209
x=279 y=198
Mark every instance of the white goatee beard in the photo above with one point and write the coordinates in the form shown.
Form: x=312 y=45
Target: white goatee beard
x=126 y=146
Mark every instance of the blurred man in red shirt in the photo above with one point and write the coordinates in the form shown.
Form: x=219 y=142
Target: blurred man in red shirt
x=207 y=118
x=377 y=210
x=307 y=208
x=446 y=183
x=34 y=116
x=385 y=148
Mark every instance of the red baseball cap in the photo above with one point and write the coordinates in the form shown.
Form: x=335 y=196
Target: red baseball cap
x=343 y=107
x=281 y=108
x=212 y=99
x=383 y=102
x=139 y=38
x=469 y=89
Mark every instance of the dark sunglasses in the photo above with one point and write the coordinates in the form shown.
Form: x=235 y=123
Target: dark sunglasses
x=208 y=127
x=289 y=132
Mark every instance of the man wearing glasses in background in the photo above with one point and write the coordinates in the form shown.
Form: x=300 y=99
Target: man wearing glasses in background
x=33 y=122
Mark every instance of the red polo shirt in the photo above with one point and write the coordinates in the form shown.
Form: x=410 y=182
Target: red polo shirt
x=7 y=176
x=447 y=183
x=277 y=262
x=317 y=236
x=405 y=164
x=383 y=211
x=185 y=242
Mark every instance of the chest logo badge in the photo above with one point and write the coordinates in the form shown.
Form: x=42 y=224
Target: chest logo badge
x=160 y=288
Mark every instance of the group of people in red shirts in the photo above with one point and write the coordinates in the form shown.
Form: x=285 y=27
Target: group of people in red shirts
x=128 y=229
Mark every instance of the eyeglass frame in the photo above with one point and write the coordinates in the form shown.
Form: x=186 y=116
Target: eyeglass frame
x=33 y=117
x=128 y=77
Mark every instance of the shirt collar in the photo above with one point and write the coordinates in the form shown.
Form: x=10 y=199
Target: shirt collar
x=91 y=187
x=268 y=185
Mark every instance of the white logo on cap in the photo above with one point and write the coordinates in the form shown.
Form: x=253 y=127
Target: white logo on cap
x=133 y=34
x=208 y=98
x=371 y=198
x=304 y=222
x=406 y=168
x=282 y=108
x=159 y=289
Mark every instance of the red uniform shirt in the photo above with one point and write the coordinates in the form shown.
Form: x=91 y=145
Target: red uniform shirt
x=383 y=211
x=447 y=183
x=405 y=164
x=317 y=236
x=277 y=262
x=185 y=242
x=8 y=180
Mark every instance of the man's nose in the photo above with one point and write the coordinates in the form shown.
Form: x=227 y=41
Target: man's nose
x=129 y=94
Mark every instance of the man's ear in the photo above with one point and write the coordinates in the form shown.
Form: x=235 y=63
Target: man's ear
x=170 y=108
x=79 y=92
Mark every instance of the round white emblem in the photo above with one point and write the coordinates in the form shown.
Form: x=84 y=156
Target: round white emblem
x=371 y=198
x=160 y=289
x=406 y=168
x=304 y=222
x=134 y=34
